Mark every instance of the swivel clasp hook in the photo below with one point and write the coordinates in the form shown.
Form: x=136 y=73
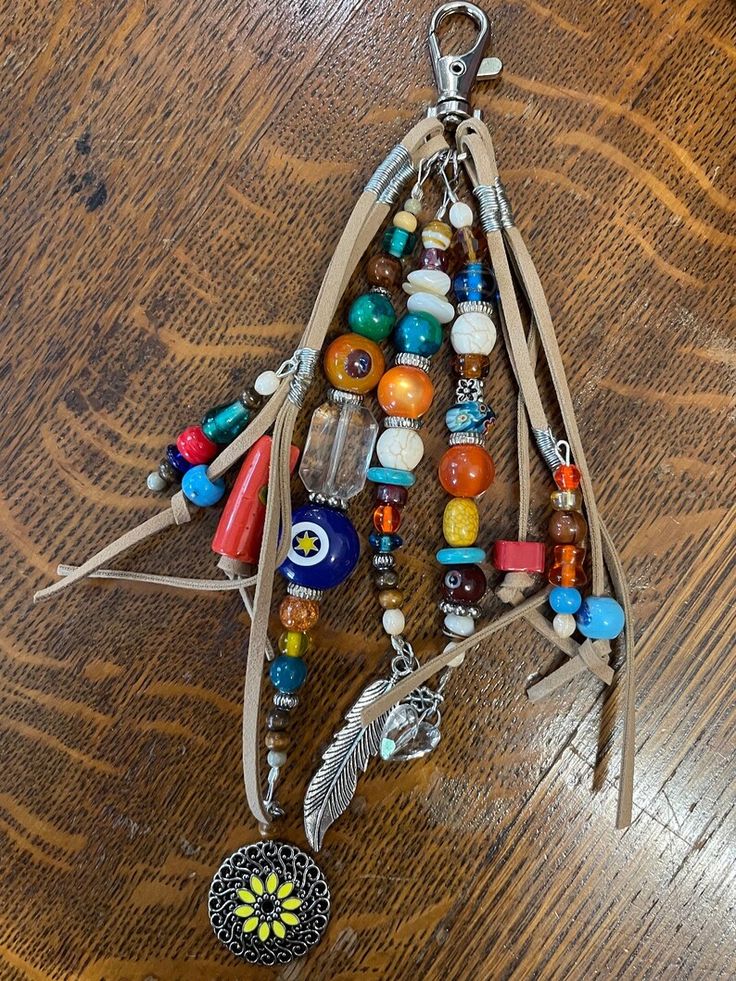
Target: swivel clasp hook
x=456 y=74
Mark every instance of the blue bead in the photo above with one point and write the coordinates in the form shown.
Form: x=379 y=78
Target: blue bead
x=324 y=548
x=474 y=284
x=600 y=618
x=460 y=556
x=198 y=487
x=288 y=673
x=418 y=333
x=565 y=599
x=387 y=475
x=470 y=417
x=176 y=460
x=385 y=542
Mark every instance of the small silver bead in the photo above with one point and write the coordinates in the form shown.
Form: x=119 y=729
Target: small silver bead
x=413 y=360
x=330 y=502
x=458 y=609
x=477 y=306
x=380 y=289
x=384 y=560
x=401 y=422
x=304 y=592
x=285 y=701
x=458 y=439
x=338 y=397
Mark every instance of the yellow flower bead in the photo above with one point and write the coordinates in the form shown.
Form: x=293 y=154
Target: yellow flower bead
x=405 y=220
x=460 y=522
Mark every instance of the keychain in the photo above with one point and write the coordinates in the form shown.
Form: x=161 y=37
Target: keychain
x=458 y=266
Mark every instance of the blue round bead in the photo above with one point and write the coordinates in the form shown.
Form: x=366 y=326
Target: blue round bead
x=386 y=542
x=176 y=460
x=600 y=618
x=418 y=333
x=288 y=673
x=460 y=556
x=387 y=475
x=474 y=284
x=198 y=487
x=565 y=599
x=324 y=548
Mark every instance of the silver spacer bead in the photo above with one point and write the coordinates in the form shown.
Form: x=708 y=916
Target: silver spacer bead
x=459 y=610
x=330 y=502
x=458 y=439
x=304 y=592
x=285 y=701
x=384 y=560
x=380 y=289
x=401 y=422
x=477 y=306
x=338 y=397
x=413 y=360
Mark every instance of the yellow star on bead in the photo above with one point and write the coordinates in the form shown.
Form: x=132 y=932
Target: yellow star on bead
x=306 y=544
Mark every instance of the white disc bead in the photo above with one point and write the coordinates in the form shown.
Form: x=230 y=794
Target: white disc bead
x=473 y=333
x=461 y=215
x=434 y=305
x=400 y=449
x=428 y=281
x=393 y=622
x=459 y=625
x=564 y=624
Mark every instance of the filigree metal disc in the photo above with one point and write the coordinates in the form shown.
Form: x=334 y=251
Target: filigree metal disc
x=269 y=903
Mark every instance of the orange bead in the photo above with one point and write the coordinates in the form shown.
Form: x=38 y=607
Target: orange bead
x=354 y=363
x=466 y=470
x=386 y=518
x=298 y=614
x=567 y=566
x=567 y=477
x=405 y=391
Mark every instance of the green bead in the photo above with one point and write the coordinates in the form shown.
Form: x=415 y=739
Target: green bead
x=398 y=242
x=223 y=423
x=372 y=315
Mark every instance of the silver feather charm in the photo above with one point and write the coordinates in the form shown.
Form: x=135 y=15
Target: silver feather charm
x=332 y=787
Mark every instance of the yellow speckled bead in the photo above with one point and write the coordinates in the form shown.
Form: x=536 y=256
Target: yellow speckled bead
x=460 y=522
x=405 y=220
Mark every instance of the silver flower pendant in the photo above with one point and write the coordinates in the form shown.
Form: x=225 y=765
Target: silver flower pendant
x=269 y=903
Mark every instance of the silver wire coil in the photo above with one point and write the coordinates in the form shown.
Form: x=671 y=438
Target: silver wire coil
x=547 y=444
x=306 y=361
x=391 y=174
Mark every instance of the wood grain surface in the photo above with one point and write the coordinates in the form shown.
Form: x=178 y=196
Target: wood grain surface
x=174 y=179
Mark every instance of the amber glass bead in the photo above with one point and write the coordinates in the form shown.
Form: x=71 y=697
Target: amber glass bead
x=466 y=470
x=384 y=270
x=567 y=477
x=566 y=500
x=294 y=643
x=386 y=518
x=471 y=365
x=354 y=363
x=567 y=527
x=277 y=740
x=470 y=245
x=298 y=614
x=390 y=599
x=405 y=391
x=567 y=566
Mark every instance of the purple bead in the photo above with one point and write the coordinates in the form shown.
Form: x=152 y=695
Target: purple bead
x=434 y=259
x=392 y=494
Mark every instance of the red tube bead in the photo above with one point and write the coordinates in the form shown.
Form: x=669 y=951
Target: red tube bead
x=519 y=556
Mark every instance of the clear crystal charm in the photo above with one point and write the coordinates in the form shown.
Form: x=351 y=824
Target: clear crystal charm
x=407 y=737
x=338 y=451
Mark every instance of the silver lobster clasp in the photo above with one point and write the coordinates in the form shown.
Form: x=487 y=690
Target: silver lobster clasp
x=456 y=74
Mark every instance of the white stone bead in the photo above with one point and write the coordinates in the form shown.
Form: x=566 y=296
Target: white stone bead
x=393 y=622
x=413 y=206
x=155 y=482
x=400 y=449
x=456 y=661
x=434 y=305
x=428 y=281
x=276 y=759
x=266 y=383
x=564 y=624
x=473 y=333
x=459 y=625
x=461 y=215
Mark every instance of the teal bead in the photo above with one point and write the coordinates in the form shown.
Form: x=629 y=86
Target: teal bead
x=398 y=242
x=461 y=556
x=600 y=618
x=288 y=673
x=388 y=475
x=223 y=423
x=372 y=315
x=199 y=489
x=418 y=333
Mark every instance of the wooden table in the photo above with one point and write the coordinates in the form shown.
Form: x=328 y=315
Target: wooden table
x=175 y=176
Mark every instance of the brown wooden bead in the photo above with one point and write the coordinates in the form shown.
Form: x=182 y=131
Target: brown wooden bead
x=276 y=720
x=278 y=741
x=567 y=527
x=298 y=614
x=390 y=599
x=384 y=270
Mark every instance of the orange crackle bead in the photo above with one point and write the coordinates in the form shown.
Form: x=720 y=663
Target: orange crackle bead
x=567 y=477
x=405 y=391
x=386 y=518
x=298 y=614
x=354 y=363
x=466 y=470
x=567 y=566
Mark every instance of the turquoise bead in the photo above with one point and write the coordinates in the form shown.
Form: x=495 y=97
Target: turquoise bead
x=388 y=475
x=398 y=242
x=461 y=556
x=199 y=489
x=223 y=423
x=372 y=315
x=288 y=673
x=600 y=618
x=418 y=333
x=385 y=542
x=565 y=599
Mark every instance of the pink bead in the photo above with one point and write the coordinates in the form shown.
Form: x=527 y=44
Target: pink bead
x=518 y=556
x=195 y=447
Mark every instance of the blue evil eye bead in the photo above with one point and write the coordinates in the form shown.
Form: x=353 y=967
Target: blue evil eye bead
x=461 y=556
x=324 y=548
x=565 y=599
x=398 y=241
x=470 y=417
x=384 y=542
x=176 y=460
x=474 y=283
x=199 y=489
x=600 y=618
x=288 y=673
x=418 y=333
x=388 y=475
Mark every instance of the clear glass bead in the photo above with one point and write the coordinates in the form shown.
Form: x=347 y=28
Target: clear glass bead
x=338 y=451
